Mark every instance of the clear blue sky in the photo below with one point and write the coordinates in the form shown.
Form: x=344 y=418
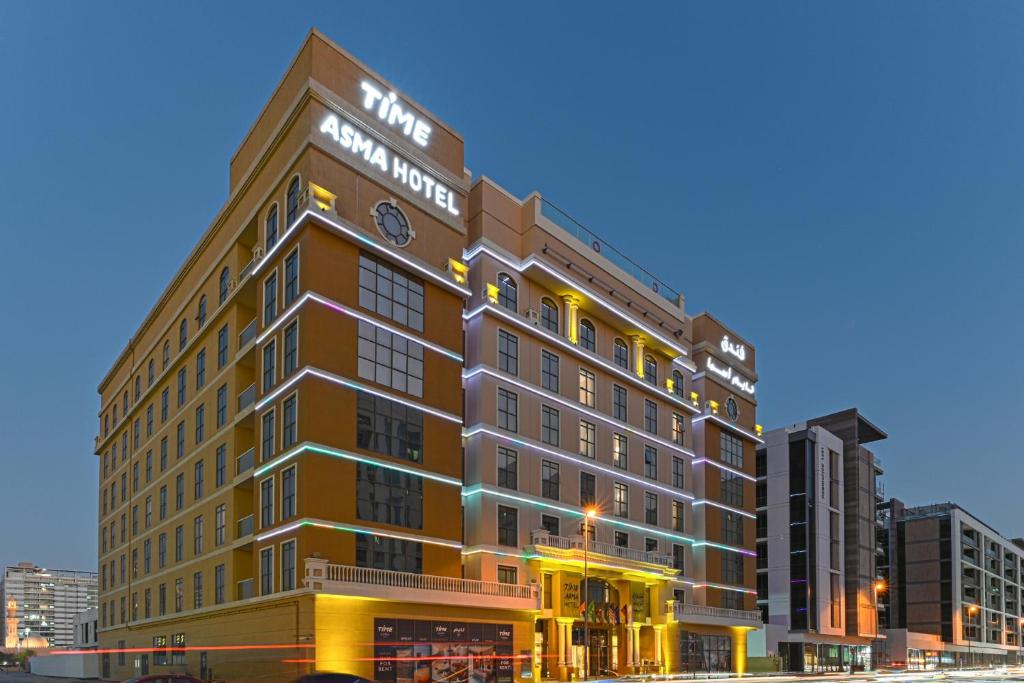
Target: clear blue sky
x=841 y=182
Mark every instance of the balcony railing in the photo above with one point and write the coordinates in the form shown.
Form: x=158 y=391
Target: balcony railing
x=248 y=334
x=683 y=610
x=247 y=270
x=246 y=525
x=246 y=461
x=344 y=573
x=598 y=548
x=247 y=397
x=246 y=589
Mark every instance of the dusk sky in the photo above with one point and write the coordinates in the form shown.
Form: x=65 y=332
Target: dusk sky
x=843 y=183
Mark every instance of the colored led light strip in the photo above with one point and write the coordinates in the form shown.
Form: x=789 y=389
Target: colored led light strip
x=724 y=587
x=482 y=370
x=366 y=531
x=722 y=546
x=334 y=305
x=479 y=489
x=725 y=507
x=355 y=457
x=573 y=348
x=331 y=377
x=715 y=463
x=533 y=260
x=373 y=244
x=580 y=460
x=739 y=430
x=527 y=557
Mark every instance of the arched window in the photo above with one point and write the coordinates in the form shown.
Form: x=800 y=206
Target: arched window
x=201 y=316
x=549 y=315
x=651 y=370
x=167 y=355
x=293 y=200
x=588 y=337
x=150 y=373
x=124 y=404
x=621 y=354
x=508 y=294
x=271 y=231
x=677 y=383
x=138 y=387
x=182 y=334
x=225 y=280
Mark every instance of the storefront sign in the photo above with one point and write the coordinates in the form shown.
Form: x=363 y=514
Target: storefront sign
x=418 y=181
x=425 y=651
x=737 y=349
x=728 y=374
x=391 y=111
x=570 y=598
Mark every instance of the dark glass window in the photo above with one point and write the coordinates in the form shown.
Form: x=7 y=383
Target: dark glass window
x=621 y=354
x=508 y=352
x=620 y=451
x=651 y=370
x=549 y=315
x=549 y=427
x=291 y=344
x=508 y=292
x=588 y=489
x=508 y=410
x=271 y=227
x=588 y=336
x=508 y=468
x=391 y=292
x=650 y=416
x=270 y=299
x=388 y=496
x=508 y=526
x=293 y=200
x=549 y=371
x=392 y=554
x=651 y=508
x=291 y=278
x=549 y=479
x=650 y=462
x=269 y=365
x=389 y=359
x=731 y=450
x=389 y=428
x=731 y=489
x=225 y=284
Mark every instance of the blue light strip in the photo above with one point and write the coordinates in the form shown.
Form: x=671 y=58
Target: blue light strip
x=355 y=457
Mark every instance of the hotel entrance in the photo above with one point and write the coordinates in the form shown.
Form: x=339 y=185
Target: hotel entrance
x=600 y=648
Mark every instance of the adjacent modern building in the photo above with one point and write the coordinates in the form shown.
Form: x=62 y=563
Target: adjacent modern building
x=41 y=604
x=956 y=588
x=817 y=581
x=363 y=425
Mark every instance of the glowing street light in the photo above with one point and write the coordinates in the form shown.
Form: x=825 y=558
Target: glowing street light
x=589 y=518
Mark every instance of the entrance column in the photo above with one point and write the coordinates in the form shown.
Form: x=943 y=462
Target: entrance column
x=564 y=627
x=629 y=647
x=659 y=629
x=636 y=644
x=614 y=651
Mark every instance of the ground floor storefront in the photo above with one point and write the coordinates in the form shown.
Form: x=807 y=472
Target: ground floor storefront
x=815 y=657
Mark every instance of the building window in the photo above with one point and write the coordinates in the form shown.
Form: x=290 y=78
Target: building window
x=288 y=422
x=588 y=439
x=549 y=371
x=620 y=499
x=588 y=388
x=650 y=462
x=269 y=365
x=163 y=502
x=391 y=360
x=508 y=295
x=149 y=465
x=678 y=516
x=267 y=571
x=201 y=313
x=225 y=284
x=291 y=278
x=650 y=416
x=197 y=536
x=271 y=228
x=288 y=493
x=390 y=292
x=138 y=388
x=651 y=508
x=549 y=315
x=508 y=526
x=389 y=497
x=179 y=543
x=200 y=423
x=180 y=445
x=218 y=584
x=150 y=373
x=678 y=387
x=149 y=421
x=388 y=428
x=270 y=299
x=222 y=347
x=731 y=450
x=507 y=574
x=619 y=402
x=147 y=556
x=588 y=336
x=678 y=428
x=732 y=528
x=166 y=357
x=389 y=553
x=621 y=354
x=678 y=557
x=164 y=400
x=198 y=473
x=267 y=502
x=620 y=451
x=508 y=352
x=550 y=524
x=621 y=539
x=588 y=489
x=549 y=479
x=183 y=334
x=219 y=524
x=731 y=489
x=161 y=551
x=197 y=590
x=222 y=405
x=651 y=545
x=293 y=201
x=179 y=492
x=549 y=427
x=291 y=348
x=508 y=468
x=221 y=465
x=288 y=566
x=651 y=370
x=732 y=569
x=182 y=386
x=508 y=410
x=677 y=472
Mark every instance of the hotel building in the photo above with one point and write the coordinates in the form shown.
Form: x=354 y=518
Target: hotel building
x=816 y=553
x=956 y=589
x=360 y=427
x=41 y=604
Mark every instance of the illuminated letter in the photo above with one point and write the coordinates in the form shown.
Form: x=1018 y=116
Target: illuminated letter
x=386 y=102
x=451 y=204
x=400 y=170
x=330 y=126
x=415 y=179
x=421 y=133
x=380 y=159
x=403 y=119
x=439 y=195
x=428 y=185
x=361 y=145
x=372 y=95
x=347 y=133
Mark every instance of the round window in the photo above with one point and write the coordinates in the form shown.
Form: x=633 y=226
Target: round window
x=731 y=409
x=392 y=223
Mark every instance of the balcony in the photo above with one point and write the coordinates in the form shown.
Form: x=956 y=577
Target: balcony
x=247 y=397
x=246 y=589
x=540 y=539
x=245 y=527
x=717 y=616
x=343 y=579
x=246 y=461
x=247 y=335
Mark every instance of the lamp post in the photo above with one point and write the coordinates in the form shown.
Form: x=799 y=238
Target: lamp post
x=590 y=513
x=880 y=586
x=971 y=611
x=1020 y=632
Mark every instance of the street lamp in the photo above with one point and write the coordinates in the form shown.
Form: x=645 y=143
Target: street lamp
x=589 y=517
x=971 y=611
